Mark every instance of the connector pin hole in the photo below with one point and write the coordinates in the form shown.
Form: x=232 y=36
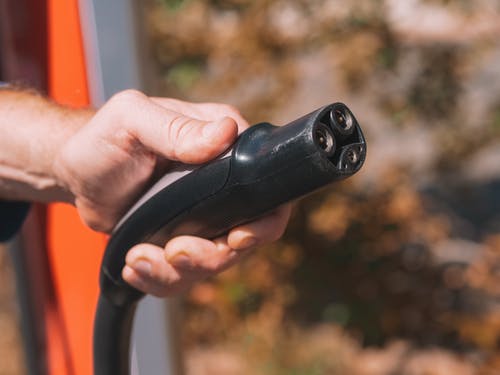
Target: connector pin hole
x=352 y=156
x=342 y=118
x=324 y=139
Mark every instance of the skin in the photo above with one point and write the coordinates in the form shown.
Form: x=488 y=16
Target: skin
x=102 y=160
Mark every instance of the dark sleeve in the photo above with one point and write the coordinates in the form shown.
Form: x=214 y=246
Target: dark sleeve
x=12 y=215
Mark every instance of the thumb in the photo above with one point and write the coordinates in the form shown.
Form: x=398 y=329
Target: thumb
x=171 y=134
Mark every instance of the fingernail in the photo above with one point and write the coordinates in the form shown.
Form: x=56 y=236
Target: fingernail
x=247 y=242
x=211 y=129
x=142 y=267
x=180 y=260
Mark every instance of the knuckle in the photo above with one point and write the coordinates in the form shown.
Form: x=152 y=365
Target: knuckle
x=222 y=109
x=116 y=113
x=99 y=226
x=96 y=220
x=127 y=97
x=230 y=109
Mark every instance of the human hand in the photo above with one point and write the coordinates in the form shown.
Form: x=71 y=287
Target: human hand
x=106 y=165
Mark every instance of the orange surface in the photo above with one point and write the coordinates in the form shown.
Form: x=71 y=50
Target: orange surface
x=74 y=251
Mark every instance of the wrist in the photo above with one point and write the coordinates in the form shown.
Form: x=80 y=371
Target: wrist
x=32 y=130
x=64 y=125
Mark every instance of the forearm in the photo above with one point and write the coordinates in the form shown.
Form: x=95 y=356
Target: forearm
x=32 y=130
x=102 y=161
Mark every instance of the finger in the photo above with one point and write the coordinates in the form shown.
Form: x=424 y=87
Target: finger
x=146 y=269
x=187 y=259
x=267 y=229
x=168 y=133
x=197 y=258
x=204 y=111
x=184 y=261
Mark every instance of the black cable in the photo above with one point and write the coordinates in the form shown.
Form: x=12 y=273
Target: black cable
x=112 y=331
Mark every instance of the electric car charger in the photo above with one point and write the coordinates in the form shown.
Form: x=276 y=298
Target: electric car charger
x=267 y=166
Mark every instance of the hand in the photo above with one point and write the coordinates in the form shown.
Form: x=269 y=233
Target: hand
x=108 y=163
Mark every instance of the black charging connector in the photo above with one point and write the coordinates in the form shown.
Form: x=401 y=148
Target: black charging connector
x=267 y=166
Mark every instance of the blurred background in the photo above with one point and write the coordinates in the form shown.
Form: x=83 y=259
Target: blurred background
x=395 y=271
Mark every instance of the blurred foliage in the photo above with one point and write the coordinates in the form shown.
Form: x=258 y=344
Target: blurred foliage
x=184 y=74
x=393 y=272
x=173 y=5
